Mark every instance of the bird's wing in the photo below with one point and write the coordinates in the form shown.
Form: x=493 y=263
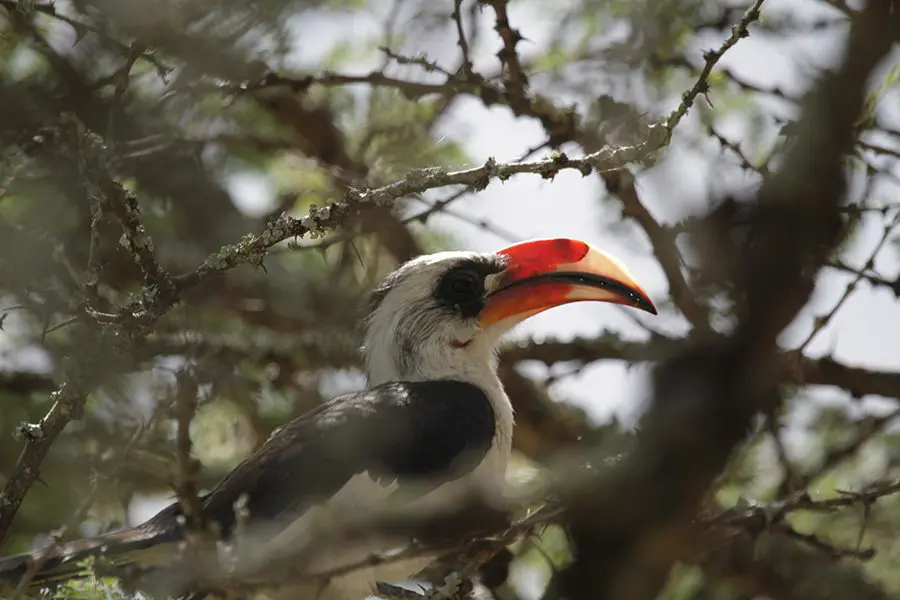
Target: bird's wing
x=408 y=432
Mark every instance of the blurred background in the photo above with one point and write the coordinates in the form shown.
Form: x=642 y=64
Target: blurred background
x=217 y=116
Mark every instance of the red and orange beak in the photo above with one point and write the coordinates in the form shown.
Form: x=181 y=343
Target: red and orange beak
x=542 y=274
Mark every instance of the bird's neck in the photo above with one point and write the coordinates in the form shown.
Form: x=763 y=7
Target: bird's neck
x=441 y=359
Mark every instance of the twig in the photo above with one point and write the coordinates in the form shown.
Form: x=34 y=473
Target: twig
x=124 y=206
x=868 y=495
x=421 y=61
x=320 y=220
x=49 y=9
x=461 y=41
x=762 y=169
x=874 y=279
x=515 y=79
x=823 y=546
x=56 y=538
x=820 y=322
x=868 y=428
x=436 y=207
x=188 y=466
x=611 y=346
x=711 y=57
x=683 y=63
x=68 y=402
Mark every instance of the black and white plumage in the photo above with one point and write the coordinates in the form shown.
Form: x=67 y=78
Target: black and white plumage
x=434 y=423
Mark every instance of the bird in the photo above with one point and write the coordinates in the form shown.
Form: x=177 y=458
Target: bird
x=432 y=423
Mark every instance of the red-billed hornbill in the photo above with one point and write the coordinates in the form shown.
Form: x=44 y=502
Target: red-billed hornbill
x=434 y=418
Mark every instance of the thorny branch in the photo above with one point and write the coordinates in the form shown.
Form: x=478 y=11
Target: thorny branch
x=320 y=220
x=610 y=346
x=711 y=58
x=131 y=322
x=515 y=79
x=79 y=514
x=68 y=402
x=721 y=386
x=82 y=371
x=461 y=40
x=820 y=322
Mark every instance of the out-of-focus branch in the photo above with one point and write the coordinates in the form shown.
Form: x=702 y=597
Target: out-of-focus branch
x=858 y=381
x=188 y=467
x=81 y=511
x=773 y=566
x=80 y=27
x=102 y=343
x=822 y=321
x=872 y=278
x=149 y=149
x=68 y=403
x=705 y=399
x=24 y=382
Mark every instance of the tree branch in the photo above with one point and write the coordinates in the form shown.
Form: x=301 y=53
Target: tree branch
x=773 y=566
x=705 y=399
x=711 y=58
x=320 y=220
x=858 y=381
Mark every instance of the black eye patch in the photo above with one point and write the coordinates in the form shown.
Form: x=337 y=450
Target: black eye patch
x=462 y=287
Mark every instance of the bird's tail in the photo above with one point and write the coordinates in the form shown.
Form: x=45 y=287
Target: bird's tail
x=44 y=567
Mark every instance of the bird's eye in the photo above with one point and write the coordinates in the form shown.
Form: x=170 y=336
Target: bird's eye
x=461 y=286
x=464 y=284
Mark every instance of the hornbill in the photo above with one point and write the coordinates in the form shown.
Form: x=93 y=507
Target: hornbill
x=434 y=422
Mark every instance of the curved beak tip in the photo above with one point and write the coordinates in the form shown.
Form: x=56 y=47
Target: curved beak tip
x=644 y=303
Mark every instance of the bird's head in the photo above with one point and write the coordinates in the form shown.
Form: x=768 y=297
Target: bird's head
x=441 y=315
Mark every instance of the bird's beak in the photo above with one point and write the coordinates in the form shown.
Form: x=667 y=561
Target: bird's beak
x=541 y=274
